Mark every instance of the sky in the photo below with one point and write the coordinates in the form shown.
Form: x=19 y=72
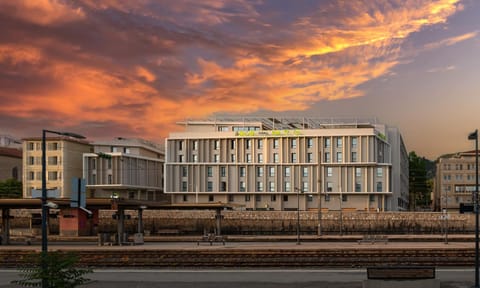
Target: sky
x=115 y=68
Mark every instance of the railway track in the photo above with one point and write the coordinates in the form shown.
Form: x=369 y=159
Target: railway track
x=257 y=258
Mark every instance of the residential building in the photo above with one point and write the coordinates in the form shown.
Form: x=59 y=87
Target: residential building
x=63 y=163
x=266 y=163
x=10 y=164
x=125 y=168
x=454 y=181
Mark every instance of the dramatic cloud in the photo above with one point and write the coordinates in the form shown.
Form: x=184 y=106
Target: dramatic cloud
x=143 y=65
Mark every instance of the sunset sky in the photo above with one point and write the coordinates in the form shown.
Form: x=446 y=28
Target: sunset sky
x=134 y=68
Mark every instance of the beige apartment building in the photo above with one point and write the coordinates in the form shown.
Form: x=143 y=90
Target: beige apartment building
x=63 y=163
x=125 y=168
x=282 y=164
x=454 y=181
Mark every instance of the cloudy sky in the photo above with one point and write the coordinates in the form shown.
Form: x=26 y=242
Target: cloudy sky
x=134 y=68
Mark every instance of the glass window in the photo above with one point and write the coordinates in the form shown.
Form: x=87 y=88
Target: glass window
x=309 y=142
x=358 y=187
x=248 y=143
x=180 y=145
x=242 y=186
x=30 y=146
x=260 y=186
x=276 y=159
x=372 y=198
x=209 y=171
x=223 y=186
x=339 y=142
x=242 y=171
x=247 y=198
x=287 y=187
x=276 y=143
x=258 y=198
x=110 y=179
x=223 y=171
x=248 y=158
x=379 y=172
x=233 y=158
x=329 y=171
x=327 y=142
x=217 y=144
x=260 y=143
x=354 y=156
x=195 y=145
x=293 y=143
x=260 y=158
x=184 y=171
x=184 y=186
x=232 y=144
x=344 y=198
x=52 y=160
x=31 y=160
x=180 y=158
x=339 y=157
x=379 y=187
x=294 y=157
x=211 y=198
x=231 y=198
x=216 y=158
x=329 y=186
x=305 y=171
x=209 y=186
x=271 y=186
x=309 y=197
x=259 y=171
x=273 y=198
x=271 y=172
x=287 y=171
x=285 y=198
x=304 y=186
x=309 y=157
x=327 y=157
x=327 y=198
x=354 y=142
x=358 y=171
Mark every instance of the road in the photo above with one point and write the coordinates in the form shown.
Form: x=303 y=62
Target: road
x=281 y=278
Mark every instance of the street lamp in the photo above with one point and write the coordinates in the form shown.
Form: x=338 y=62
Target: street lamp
x=298 y=215
x=474 y=136
x=45 y=206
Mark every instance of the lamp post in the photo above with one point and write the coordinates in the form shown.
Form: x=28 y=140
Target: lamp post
x=474 y=136
x=44 y=197
x=298 y=215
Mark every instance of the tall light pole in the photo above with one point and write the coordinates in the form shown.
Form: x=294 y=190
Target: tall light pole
x=44 y=198
x=474 y=136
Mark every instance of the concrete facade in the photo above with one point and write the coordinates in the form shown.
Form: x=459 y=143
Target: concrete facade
x=129 y=168
x=454 y=181
x=282 y=164
x=63 y=163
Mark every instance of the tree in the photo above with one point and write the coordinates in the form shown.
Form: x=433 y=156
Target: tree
x=420 y=184
x=10 y=188
x=60 y=272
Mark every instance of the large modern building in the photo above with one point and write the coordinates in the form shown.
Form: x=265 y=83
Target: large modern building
x=454 y=181
x=282 y=164
x=63 y=163
x=125 y=168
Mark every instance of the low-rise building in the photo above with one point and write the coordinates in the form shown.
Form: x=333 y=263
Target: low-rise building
x=10 y=164
x=125 y=168
x=285 y=164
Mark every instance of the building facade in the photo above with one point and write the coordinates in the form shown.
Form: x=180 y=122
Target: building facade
x=282 y=164
x=63 y=163
x=454 y=181
x=125 y=168
x=10 y=164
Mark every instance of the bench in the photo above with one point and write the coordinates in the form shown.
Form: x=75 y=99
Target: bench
x=401 y=276
x=211 y=238
x=373 y=239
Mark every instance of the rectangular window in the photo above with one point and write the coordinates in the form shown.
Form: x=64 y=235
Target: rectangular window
x=31 y=175
x=260 y=143
x=248 y=143
x=304 y=186
x=327 y=157
x=344 y=198
x=247 y=198
x=294 y=157
x=216 y=158
x=379 y=187
x=242 y=186
x=327 y=143
x=195 y=158
x=285 y=198
x=271 y=171
x=276 y=143
x=327 y=198
x=372 y=198
x=223 y=171
x=358 y=187
x=309 y=142
x=354 y=142
x=30 y=146
x=94 y=179
x=195 y=145
x=242 y=171
x=209 y=186
x=52 y=160
x=339 y=157
x=180 y=145
x=248 y=158
x=209 y=171
x=287 y=171
x=358 y=172
x=211 y=198
x=260 y=158
x=354 y=156
x=184 y=171
x=52 y=146
x=276 y=159
x=230 y=198
x=223 y=186
x=305 y=171
x=287 y=187
x=329 y=171
x=309 y=157
x=339 y=142
x=180 y=158
x=184 y=186
x=31 y=160
x=109 y=162
x=217 y=145
x=329 y=186
x=273 y=198
x=310 y=198
x=260 y=186
x=110 y=179
x=293 y=143
x=379 y=172
x=258 y=198
x=233 y=158
x=271 y=186
x=232 y=144
x=259 y=171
